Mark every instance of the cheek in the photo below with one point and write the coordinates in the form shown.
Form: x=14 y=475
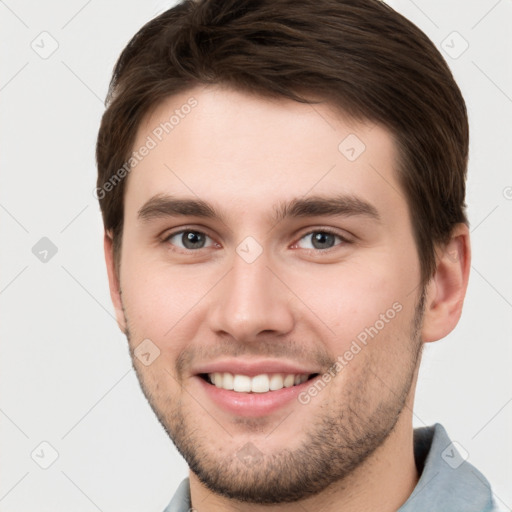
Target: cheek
x=348 y=299
x=159 y=299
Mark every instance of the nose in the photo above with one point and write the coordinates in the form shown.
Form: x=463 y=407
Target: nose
x=251 y=300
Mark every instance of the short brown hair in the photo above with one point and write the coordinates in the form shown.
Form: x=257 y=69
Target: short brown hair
x=359 y=55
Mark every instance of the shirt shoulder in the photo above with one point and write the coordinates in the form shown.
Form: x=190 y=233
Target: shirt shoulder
x=181 y=500
x=447 y=481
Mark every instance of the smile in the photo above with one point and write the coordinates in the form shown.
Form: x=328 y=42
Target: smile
x=258 y=384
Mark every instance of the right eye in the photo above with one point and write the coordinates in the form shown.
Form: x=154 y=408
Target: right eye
x=189 y=240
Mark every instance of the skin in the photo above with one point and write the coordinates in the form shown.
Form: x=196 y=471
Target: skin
x=351 y=447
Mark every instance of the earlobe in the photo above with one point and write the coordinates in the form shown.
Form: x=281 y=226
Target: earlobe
x=113 y=281
x=447 y=288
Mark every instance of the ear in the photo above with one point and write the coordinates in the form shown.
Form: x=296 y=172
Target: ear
x=113 y=281
x=447 y=288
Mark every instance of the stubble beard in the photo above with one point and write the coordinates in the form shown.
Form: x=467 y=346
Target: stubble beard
x=334 y=445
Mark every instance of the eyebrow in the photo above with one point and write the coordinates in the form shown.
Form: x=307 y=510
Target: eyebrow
x=163 y=205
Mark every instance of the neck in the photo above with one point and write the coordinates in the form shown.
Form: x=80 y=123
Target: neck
x=383 y=482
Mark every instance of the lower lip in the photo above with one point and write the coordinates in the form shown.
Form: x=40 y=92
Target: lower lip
x=252 y=404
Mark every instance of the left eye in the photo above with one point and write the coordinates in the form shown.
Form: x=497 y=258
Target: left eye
x=190 y=240
x=319 y=240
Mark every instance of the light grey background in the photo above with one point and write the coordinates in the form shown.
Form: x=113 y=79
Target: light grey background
x=65 y=372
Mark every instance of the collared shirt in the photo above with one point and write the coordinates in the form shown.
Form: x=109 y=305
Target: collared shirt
x=447 y=483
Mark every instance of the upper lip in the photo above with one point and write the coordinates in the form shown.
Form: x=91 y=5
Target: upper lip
x=253 y=368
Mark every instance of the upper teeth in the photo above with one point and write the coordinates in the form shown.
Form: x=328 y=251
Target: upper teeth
x=258 y=384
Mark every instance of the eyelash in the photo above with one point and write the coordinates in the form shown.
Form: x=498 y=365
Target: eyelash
x=343 y=240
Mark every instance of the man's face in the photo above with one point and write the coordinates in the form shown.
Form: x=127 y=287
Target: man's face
x=266 y=281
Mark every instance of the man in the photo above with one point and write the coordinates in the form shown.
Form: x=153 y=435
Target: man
x=282 y=186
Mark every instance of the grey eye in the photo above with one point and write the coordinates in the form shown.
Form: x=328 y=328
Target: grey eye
x=319 y=240
x=190 y=240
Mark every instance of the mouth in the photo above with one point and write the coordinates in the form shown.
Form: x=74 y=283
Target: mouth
x=263 y=383
x=245 y=387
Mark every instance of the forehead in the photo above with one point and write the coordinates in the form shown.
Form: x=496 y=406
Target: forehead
x=234 y=149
